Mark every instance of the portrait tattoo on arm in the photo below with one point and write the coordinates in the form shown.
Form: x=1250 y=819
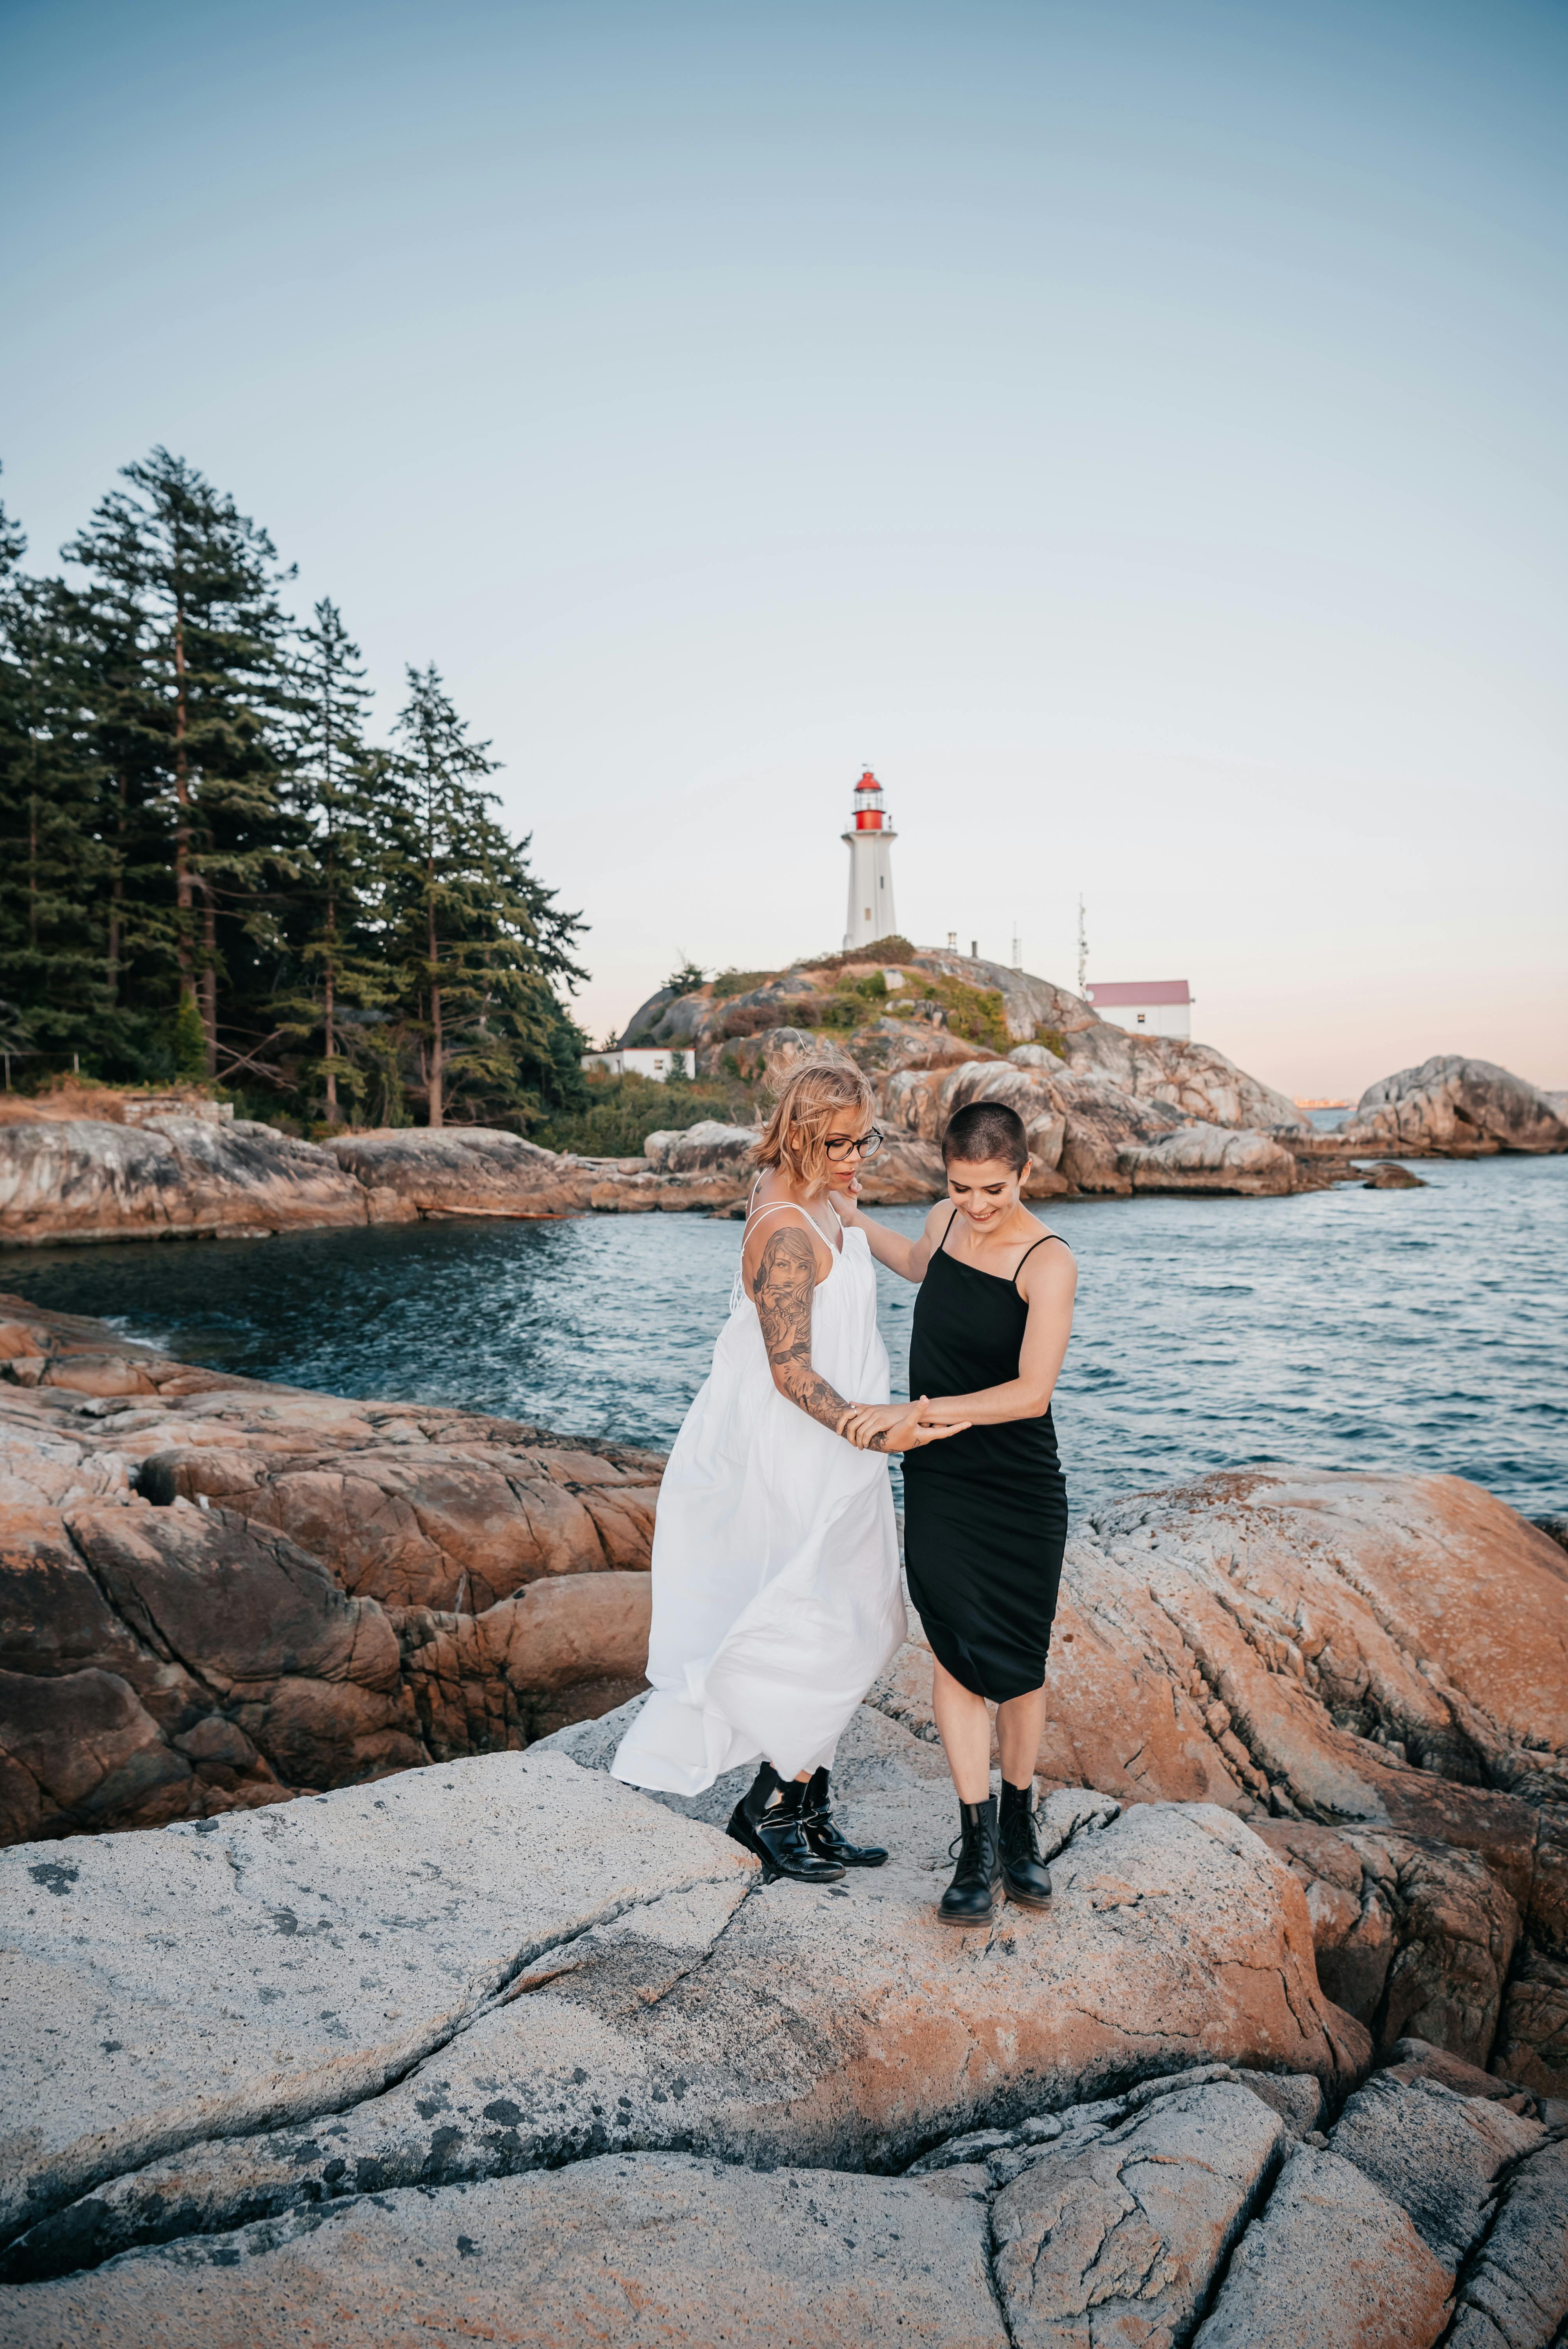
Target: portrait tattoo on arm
x=781 y=1292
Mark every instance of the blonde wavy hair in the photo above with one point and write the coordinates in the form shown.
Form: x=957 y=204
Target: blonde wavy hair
x=806 y=1104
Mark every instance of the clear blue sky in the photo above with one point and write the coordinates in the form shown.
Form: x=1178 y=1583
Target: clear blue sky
x=1135 y=428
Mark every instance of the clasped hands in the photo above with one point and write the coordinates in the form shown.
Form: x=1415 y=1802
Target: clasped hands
x=901 y=1426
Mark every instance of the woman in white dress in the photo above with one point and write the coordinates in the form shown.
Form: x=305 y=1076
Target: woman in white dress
x=777 y=1598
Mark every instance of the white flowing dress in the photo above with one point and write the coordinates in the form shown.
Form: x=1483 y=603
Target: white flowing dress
x=777 y=1598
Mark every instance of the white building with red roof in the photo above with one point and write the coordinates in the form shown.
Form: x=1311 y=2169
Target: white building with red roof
x=869 y=842
x=1148 y=1006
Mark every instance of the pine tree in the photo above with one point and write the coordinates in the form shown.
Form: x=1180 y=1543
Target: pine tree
x=336 y=787
x=191 y=816
x=476 y=937
x=51 y=865
x=186 y=588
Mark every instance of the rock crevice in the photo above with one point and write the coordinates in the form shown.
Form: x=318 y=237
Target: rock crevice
x=641 y=2069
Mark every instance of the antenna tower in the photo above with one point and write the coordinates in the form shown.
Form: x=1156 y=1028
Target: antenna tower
x=1083 y=949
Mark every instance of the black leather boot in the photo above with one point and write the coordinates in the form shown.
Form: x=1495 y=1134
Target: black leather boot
x=777 y=1835
x=1027 y=1877
x=971 y=1897
x=823 y=1829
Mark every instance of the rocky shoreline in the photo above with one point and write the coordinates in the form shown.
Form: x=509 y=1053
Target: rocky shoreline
x=176 y=1174
x=436 y=1981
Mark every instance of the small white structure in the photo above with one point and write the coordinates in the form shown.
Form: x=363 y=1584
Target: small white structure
x=1148 y=1006
x=869 y=842
x=656 y=1061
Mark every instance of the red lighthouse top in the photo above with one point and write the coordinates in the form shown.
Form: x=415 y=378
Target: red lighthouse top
x=867 y=807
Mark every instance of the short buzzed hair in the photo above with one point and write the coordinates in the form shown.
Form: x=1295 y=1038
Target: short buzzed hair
x=984 y=1130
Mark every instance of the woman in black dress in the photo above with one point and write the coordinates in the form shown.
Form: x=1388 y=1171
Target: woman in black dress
x=986 y=1515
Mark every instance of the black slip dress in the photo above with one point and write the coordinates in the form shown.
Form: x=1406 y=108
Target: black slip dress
x=985 y=1513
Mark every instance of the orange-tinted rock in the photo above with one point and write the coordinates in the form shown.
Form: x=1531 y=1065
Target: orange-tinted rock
x=337 y=1604
x=1373 y=1669
x=80 y=1748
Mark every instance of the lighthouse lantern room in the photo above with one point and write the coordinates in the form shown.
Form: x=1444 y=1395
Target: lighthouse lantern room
x=870 y=841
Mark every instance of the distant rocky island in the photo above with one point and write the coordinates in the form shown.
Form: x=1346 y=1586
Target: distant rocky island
x=1108 y=1113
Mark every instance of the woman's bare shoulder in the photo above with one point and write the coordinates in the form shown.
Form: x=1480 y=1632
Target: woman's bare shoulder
x=777 y=1216
x=1051 y=1269
x=786 y=1222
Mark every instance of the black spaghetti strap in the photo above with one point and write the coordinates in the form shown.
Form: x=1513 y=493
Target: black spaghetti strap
x=1029 y=1251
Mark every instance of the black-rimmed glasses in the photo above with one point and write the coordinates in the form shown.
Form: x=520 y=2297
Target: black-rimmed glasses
x=865 y=1147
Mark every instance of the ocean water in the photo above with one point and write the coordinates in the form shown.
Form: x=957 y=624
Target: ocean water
x=1350 y=1328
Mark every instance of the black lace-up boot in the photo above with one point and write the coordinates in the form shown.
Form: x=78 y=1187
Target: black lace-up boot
x=822 y=1832
x=971 y=1897
x=1024 y=1875
x=777 y=1835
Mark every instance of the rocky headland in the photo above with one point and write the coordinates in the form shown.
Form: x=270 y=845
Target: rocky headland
x=1108 y=1113
x=404 y=2012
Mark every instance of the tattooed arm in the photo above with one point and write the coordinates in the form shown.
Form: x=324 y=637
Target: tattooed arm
x=783 y=1281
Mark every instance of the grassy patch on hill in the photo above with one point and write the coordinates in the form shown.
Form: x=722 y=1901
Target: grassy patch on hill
x=889 y=950
x=975 y=1013
x=740 y=982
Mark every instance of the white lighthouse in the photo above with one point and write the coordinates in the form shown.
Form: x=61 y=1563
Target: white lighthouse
x=870 y=841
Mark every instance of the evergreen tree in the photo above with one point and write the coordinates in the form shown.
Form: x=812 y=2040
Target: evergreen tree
x=51 y=969
x=336 y=788
x=192 y=818
x=137 y=917
x=476 y=939
x=185 y=588
x=52 y=862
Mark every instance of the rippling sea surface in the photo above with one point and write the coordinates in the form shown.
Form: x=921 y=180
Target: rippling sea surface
x=1350 y=1328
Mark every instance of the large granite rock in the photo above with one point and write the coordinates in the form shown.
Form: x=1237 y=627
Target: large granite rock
x=506 y=2051
x=1117 y=2229
x=1207 y=1157
x=1452 y=1107
x=1514 y=2288
x=1436 y=2153
x=1370 y=1669
x=1085 y=1133
x=655 y=2251
x=176 y=1178
x=1194 y=1079
x=701 y=1148
x=513 y=1961
x=1331 y=2260
x=214 y=1593
x=918 y=1100
x=408 y=1174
